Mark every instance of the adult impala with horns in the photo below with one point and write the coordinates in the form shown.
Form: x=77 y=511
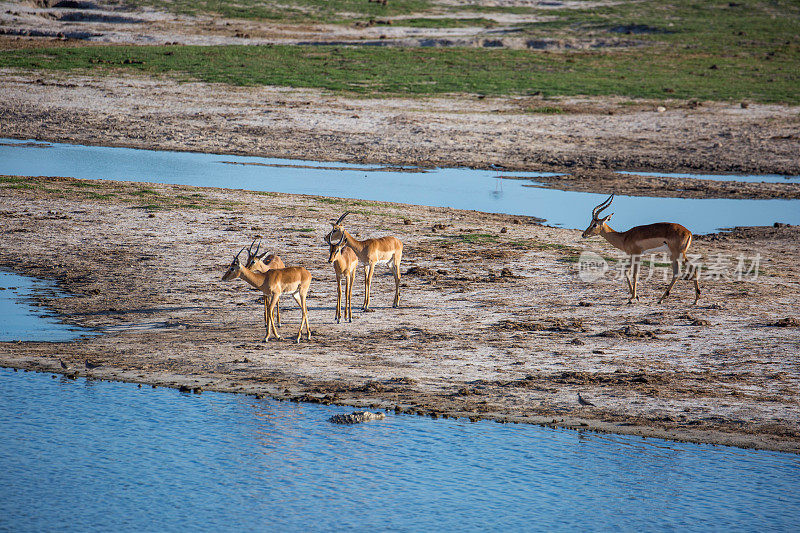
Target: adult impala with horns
x=659 y=237
x=273 y=283
x=388 y=250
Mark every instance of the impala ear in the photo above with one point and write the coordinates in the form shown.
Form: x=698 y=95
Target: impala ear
x=608 y=217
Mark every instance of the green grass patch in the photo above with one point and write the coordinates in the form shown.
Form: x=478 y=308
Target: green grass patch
x=697 y=50
x=86 y=184
x=477 y=238
x=145 y=192
x=674 y=72
x=151 y=207
x=547 y=110
x=330 y=200
x=14 y=179
x=190 y=197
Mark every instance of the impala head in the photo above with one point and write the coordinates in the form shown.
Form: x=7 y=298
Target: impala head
x=337 y=232
x=235 y=268
x=597 y=222
x=335 y=247
x=252 y=255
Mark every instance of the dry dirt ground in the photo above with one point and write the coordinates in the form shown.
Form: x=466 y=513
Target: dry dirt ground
x=495 y=322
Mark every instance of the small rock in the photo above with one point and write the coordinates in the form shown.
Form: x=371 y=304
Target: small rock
x=504 y=230
x=744 y=105
x=356 y=417
x=661 y=109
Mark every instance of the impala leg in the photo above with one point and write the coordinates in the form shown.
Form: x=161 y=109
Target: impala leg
x=629 y=280
x=338 y=298
x=696 y=285
x=267 y=320
x=636 y=268
x=675 y=271
x=368 y=283
x=296 y=296
x=396 y=269
x=305 y=315
x=273 y=301
x=348 y=295
x=300 y=298
x=278 y=312
x=366 y=286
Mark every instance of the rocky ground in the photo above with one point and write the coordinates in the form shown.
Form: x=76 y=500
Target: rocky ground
x=495 y=322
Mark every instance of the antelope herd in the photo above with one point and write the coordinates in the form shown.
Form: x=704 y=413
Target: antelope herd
x=267 y=273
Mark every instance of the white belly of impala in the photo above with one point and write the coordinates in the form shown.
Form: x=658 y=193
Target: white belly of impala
x=662 y=248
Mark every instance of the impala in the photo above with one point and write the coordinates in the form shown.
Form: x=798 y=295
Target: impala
x=387 y=250
x=273 y=283
x=262 y=263
x=651 y=238
x=344 y=262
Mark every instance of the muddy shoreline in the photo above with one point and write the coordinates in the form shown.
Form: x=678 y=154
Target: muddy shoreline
x=142 y=263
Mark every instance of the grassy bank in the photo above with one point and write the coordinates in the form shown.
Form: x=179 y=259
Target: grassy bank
x=652 y=73
x=705 y=50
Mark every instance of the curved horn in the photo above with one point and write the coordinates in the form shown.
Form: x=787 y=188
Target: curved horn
x=340 y=240
x=250 y=248
x=236 y=257
x=342 y=218
x=597 y=210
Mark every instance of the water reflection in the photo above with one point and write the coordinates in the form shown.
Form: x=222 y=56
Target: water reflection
x=453 y=187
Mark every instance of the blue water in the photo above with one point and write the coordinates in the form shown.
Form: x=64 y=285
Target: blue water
x=84 y=455
x=763 y=178
x=459 y=188
x=101 y=456
x=22 y=321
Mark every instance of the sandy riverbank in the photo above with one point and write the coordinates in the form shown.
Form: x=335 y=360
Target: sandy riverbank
x=143 y=266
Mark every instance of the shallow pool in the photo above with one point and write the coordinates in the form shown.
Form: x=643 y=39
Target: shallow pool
x=22 y=320
x=459 y=188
